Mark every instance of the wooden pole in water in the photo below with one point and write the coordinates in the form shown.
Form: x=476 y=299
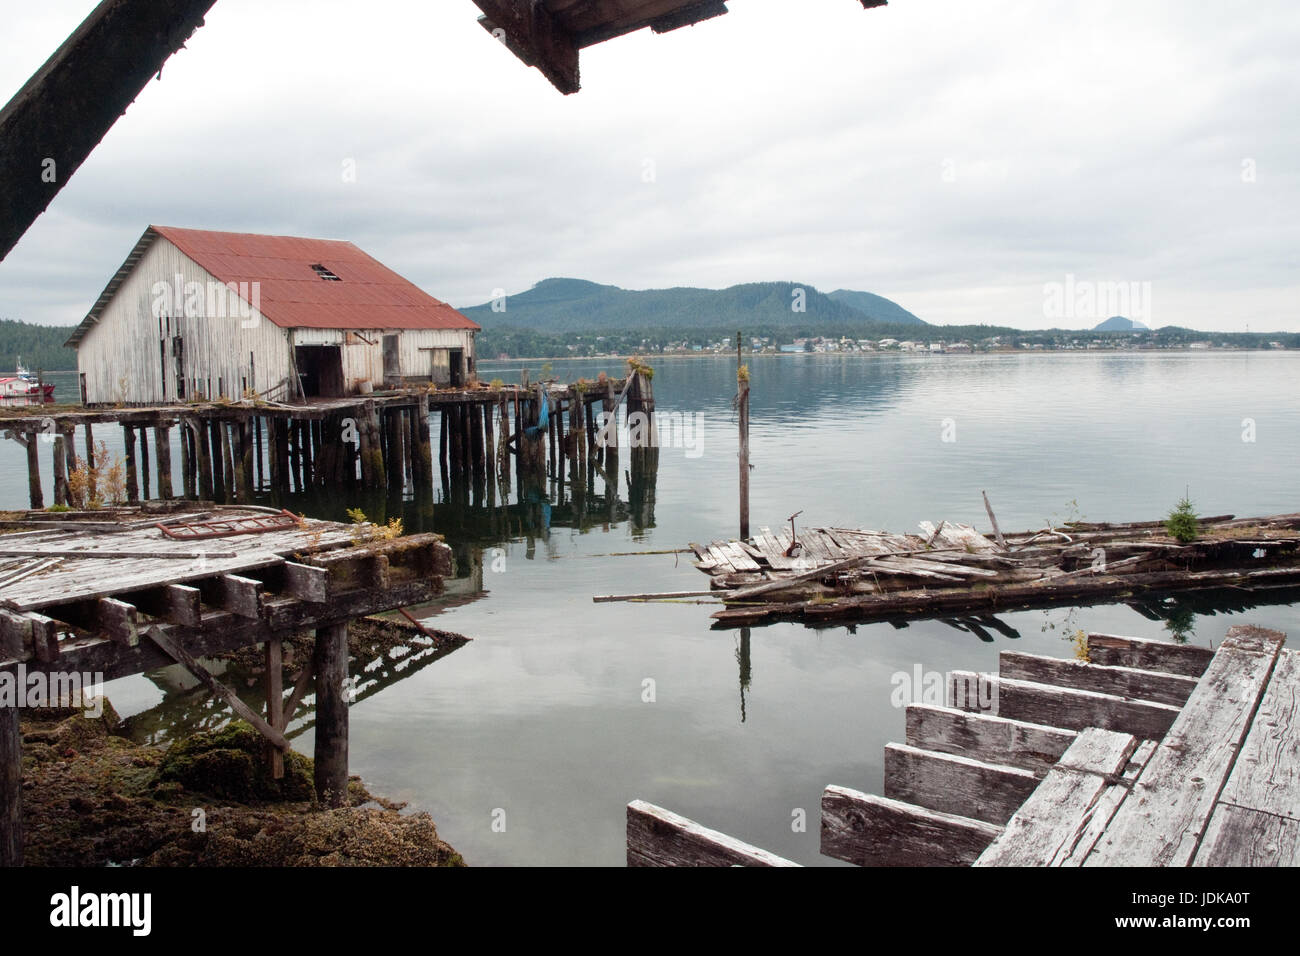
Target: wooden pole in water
x=199 y=437
x=187 y=460
x=275 y=701
x=444 y=429
x=246 y=458
x=60 y=473
x=132 y=487
x=259 y=472
x=331 y=660
x=228 y=477
x=162 y=446
x=11 y=788
x=34 y=492
x=91 y=490
x=144 y=462
x=742 y=404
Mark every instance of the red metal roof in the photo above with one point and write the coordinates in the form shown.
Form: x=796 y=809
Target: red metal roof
x=369 y=295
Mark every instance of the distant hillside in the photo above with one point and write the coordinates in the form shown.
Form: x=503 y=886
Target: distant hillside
x=875 y=307
x=39 y=346
x=575 y=305
x=1118 y=323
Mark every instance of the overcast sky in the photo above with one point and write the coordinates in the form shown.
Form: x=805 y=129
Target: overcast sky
x=955 y=156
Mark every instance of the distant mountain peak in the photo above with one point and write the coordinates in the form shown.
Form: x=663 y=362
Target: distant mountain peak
x=1119 y=323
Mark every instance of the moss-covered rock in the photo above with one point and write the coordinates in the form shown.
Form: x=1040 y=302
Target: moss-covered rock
x=231 y=764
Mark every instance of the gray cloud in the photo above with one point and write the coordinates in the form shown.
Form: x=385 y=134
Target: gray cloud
x=952 y=156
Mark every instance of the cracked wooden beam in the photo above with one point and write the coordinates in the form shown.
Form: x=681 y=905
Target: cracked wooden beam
x=67 y=107
x=530 y=32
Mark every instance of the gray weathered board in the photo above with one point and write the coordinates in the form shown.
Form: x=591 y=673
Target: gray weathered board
x=659 y=837
x=1162 y=821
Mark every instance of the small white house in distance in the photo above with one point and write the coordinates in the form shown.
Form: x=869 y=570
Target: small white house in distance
x=194 y=314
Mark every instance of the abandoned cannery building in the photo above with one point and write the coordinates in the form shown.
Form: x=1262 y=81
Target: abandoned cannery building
x=196 y=315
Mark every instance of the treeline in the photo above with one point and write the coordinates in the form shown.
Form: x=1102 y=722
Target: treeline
x=516 y=342
x=38 y=346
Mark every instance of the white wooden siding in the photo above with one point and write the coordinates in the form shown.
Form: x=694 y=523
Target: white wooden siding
x=128 y=355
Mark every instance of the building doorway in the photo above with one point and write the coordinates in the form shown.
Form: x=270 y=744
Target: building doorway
x=320 y=370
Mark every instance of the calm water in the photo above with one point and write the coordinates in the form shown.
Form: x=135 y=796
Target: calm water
x=542 y=715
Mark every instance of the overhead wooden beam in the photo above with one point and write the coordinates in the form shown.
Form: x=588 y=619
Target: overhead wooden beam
x=174 y=603
x=51 y=125
x=531 y=33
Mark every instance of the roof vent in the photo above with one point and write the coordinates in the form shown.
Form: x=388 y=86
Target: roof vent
x=325 y=273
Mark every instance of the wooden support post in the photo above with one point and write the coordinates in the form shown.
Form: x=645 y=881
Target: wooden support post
x=246 y=456
x=34 y=493
x=742 y=402
x=444 y=438
x=466 y=442
x=91 y=489
x=60 y=473
x=331 y=665
x=162 y=442
x=489 y=453
x=11 y=788
x=281 y=472
x=218 y=454
x=70 y=449
x=203 y=453
x=424 y=446
x=476 y=446
x=295 y=455
x=259 y=470
x=305 y=444
x=228 y=477
x=503 y=457
x=553 y=436
x=275 y=701
x=144 y=463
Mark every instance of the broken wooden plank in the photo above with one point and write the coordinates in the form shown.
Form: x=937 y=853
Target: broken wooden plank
x=954 y=784
x=173 y=603
x=234 y=593
x=1092 y=828
x=1015 y=743
x=306 y=582
x=868 y=830
x=1163 y=820
x=1266 y=776
x=1048 y=822
x=1238 y=836
x=659 y=837
x=1147 y=654
x=1173 y=689
x=1064 y=707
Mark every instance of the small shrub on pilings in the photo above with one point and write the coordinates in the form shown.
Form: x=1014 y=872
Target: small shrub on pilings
x=635 y=365
x=364 y=532
x=1181 y=523
x=91 y=488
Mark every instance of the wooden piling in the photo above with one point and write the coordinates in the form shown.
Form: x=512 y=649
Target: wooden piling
x=144 y=463
x=246 y=457
x=274 y=681
x=132 y=485
x=476 y=445
x=11 y=788
x=60 y=473
x=34 y=493
x=424 y=445
x=201 y=442
x=489 y=453
x=503 y=455
x=228 y=477
x=259 y=470
x=742 y=406
x=188 y=485
x=162 y=445
x=444 y=428
x=91 y=490
x=331 y=664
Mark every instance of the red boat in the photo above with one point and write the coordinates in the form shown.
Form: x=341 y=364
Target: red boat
x=22 y=385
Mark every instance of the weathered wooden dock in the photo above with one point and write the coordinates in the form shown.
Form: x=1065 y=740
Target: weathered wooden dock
x=234 y=451
x=1147 y=754
x=832 y=575
x=116 y=597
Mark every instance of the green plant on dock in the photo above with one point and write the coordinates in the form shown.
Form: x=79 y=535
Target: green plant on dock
x=1181 y=523
x=58 y=508
x=498 y=383
x=363 y=532
x=1080 y=641
x=635 y=365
